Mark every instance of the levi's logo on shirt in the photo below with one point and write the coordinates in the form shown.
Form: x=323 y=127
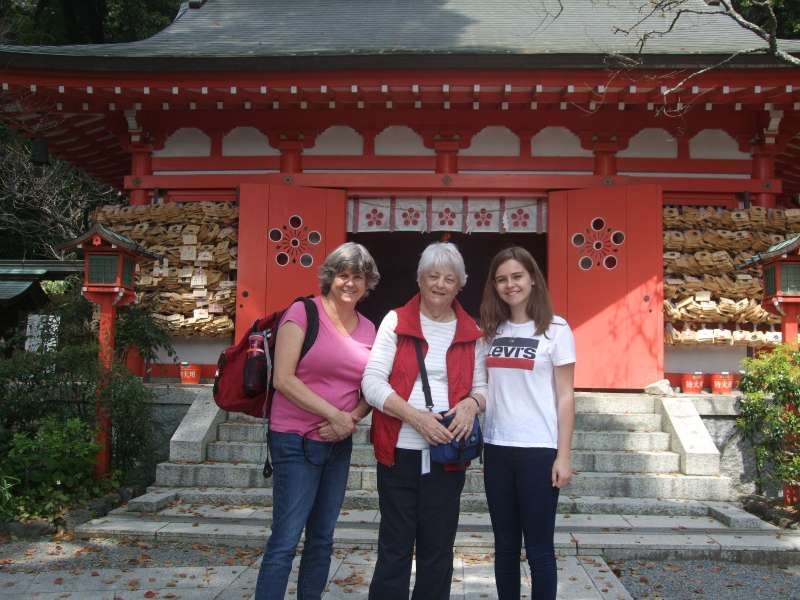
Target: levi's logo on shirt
x=512 y=353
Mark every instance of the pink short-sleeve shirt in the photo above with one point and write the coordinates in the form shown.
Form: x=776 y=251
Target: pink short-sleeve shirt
x=332 y=369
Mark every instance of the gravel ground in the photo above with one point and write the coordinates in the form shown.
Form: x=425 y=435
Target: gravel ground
x=64 y=552
x=691 y=579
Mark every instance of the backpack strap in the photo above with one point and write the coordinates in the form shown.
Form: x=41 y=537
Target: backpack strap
x=312 y=324
x=312 y=329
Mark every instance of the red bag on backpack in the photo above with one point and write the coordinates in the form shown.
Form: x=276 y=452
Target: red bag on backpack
x=243 y=382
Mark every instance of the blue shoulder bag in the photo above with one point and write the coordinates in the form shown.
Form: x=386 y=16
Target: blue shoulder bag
x=470 y=446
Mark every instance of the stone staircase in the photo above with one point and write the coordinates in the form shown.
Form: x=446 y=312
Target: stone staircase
x=625 y=446
x=648 y=487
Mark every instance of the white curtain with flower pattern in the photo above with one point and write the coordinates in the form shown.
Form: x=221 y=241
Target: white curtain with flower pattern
x=467 y=215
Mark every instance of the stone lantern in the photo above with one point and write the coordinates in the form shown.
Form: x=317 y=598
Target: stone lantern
x=108 y=281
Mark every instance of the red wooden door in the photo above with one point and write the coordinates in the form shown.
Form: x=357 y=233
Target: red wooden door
x=285 y=233
x=605 y=273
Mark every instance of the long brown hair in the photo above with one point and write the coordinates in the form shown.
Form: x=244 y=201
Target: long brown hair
x=494 y=311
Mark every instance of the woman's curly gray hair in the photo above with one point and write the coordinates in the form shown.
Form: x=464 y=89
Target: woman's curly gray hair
x=348 y=257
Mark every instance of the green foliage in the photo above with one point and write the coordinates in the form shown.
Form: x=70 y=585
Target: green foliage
x=128 y=21
x=769 y=419
x=55 y=22
x=74 y=314
x=52 y=468
x=35 y=386
x=135 y=324
x=128 y=401
x=786 y=11
x=8 y=504
x=137 y=327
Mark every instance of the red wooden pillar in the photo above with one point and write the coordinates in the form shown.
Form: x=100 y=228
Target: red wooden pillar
x=291 y=157
x=108 y=325
x=605 y=162
x=141 y=165
x=447 y=156
x=789 y=326
x=605 y=150
x=764 y=168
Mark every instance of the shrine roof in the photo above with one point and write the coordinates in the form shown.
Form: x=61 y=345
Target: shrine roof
x=37 y=269
x=112 y=237
x=11 y=289
x=290 y=34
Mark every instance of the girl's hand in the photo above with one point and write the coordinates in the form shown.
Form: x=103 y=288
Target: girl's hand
x=562 y=471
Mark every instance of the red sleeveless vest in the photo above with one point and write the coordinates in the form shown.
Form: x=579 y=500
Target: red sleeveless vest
x=460 y=362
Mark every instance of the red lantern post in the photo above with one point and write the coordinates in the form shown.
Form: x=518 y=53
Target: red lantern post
x=108 y=281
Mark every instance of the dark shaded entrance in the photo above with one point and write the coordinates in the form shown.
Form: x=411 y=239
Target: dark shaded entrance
x=397 y=255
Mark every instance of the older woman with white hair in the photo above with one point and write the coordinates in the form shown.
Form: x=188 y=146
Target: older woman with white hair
x=315 y=410
x=419 y=499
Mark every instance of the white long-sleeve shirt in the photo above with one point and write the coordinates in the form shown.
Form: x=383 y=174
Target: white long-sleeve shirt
x=375 y=383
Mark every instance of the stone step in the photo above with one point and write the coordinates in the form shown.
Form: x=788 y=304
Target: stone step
x=633 y=485
x=607 y=438
x=622 y=536
x=621 y=461
x=730 y=513
x=468 y=521
x=587 y=402
x=648 y=441
x=636 y=485
x=593 y=422
x=596 y=460
x=240 y=431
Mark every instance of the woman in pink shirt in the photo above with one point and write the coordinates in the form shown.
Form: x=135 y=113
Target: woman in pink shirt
x=316 y=407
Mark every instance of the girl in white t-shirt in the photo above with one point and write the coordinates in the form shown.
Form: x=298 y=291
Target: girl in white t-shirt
x=530 y=415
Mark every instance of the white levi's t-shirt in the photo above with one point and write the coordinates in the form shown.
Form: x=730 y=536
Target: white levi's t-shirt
x=521 y=407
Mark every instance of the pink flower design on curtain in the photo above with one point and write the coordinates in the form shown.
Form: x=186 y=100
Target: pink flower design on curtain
x=447 y=216
x=483 y=218
x=519 y=218
x=411 y=216
x=375 y=218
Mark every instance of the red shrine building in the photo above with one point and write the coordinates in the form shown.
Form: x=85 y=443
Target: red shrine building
x=395 y=124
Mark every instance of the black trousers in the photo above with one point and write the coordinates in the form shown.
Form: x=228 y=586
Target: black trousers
x=522 y=502
x=416 y=508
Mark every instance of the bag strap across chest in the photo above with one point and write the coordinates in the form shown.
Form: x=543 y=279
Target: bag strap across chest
x=423 y=373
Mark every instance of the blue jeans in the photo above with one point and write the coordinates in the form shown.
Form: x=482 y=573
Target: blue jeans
x=308 y=490
x=522 y=502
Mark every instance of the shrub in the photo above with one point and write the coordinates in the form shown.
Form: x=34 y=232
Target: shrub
x=53 y=467
x=68 y=383
x=34 y=385
x=769 y=419
x=129 y=401
x=8 y=504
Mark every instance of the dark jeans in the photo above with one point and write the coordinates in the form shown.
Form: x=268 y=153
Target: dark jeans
x=522 y=501
x=308 y=489
x=421 y=508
